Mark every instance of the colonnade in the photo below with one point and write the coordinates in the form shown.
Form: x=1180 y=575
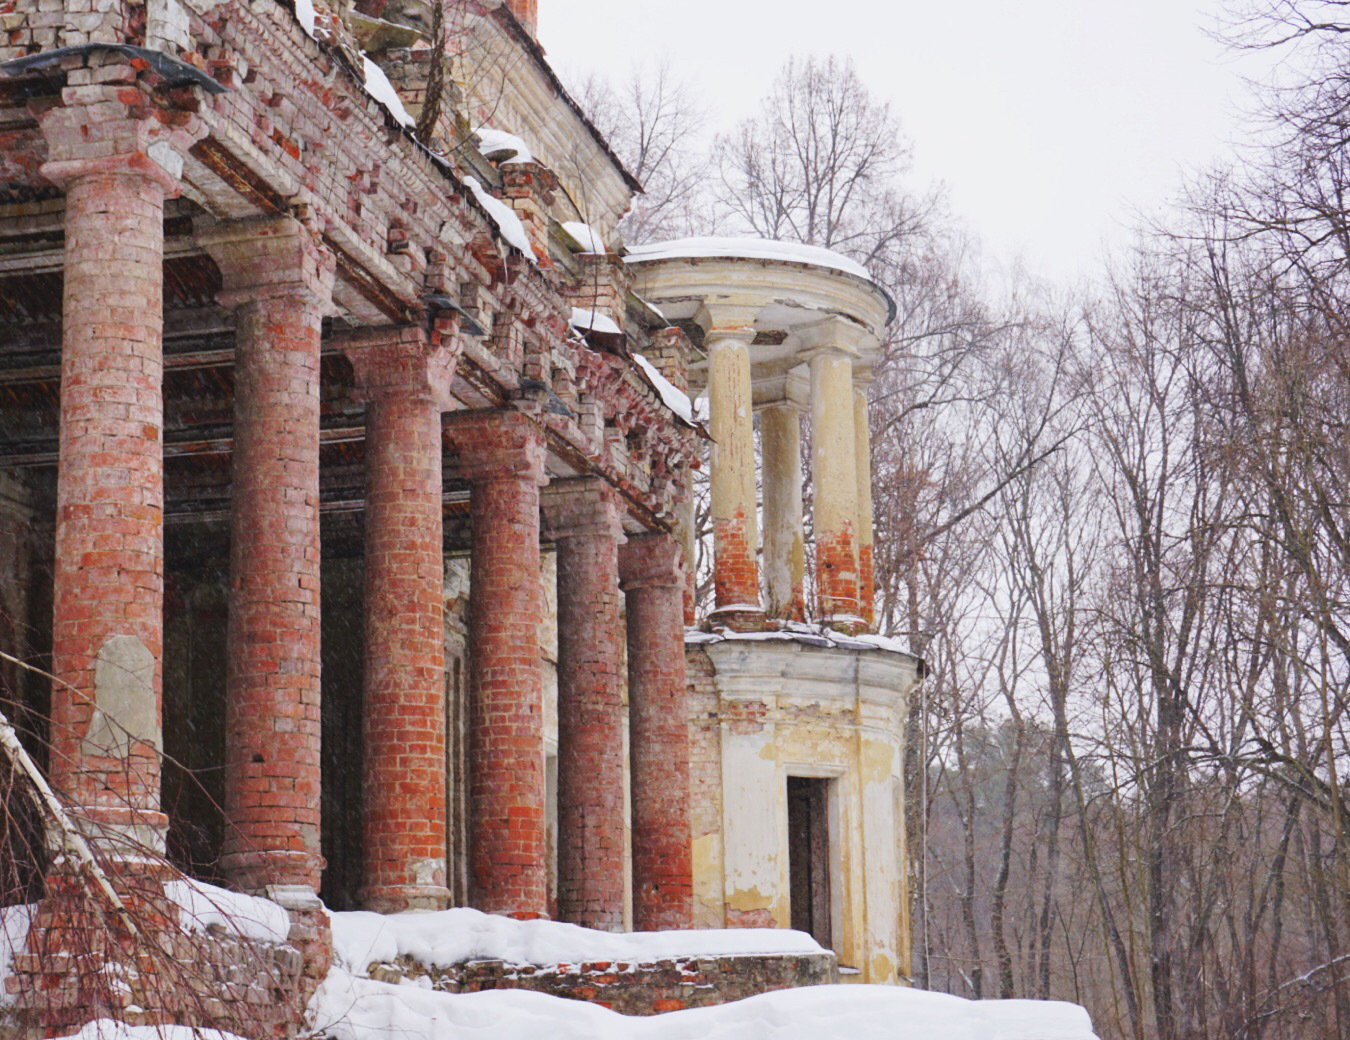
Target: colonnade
x=840 y=473
x=109 y=591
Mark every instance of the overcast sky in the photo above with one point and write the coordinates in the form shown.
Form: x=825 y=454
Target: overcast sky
x=1050 y=121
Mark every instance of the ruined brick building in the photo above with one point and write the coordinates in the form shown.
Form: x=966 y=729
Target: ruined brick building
x=346 y=484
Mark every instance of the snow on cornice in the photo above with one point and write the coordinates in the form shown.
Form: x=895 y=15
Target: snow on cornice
x=798 y=632
x=745 y=249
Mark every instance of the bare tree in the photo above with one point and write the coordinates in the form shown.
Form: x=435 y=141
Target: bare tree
x=820 y=164
x=652 y=121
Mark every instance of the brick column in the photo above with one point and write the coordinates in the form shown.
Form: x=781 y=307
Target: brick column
x=835 y=480
x=862 y=438
x=117 y=166
x=585 y=520
x=735 y=522
x=658 y=721
x=784 y=545
x=279 y=280
x=405 y=380
x=502 y=455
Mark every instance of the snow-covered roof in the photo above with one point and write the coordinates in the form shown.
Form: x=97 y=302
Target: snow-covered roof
x=797 y=632
x=745 y=249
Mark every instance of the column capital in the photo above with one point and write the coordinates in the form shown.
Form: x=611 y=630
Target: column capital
x=117 y=128
x=495 y=445
x=727 y=321
x=270 y=257
x=580 y=508
x=402 y=362
x=835 y=336
x=651 y=561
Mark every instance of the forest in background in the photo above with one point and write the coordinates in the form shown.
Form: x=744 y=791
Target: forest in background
x=1114 y=519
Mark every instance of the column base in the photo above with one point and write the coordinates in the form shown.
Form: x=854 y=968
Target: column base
x=261 y=873
x=738 y=618
x=398 y=899
x=849 y=624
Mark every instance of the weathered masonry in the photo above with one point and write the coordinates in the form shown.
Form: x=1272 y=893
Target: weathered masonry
x=345 y=492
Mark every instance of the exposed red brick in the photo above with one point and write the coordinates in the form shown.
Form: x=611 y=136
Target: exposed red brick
x=584 y=517
x=526 y=12
x=736 y=571
x=867 y=586
x=406 y=385
x=658 y=719
x=837 y=574
x=502 y=455
x=279 y=281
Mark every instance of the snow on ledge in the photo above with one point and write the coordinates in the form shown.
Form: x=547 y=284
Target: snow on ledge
x=675 y=398
x=590 y=320
x=448 y=937
x=201 y=906
x=505 y=217
x=503 y=147
x=745 y=249
x=348 y=1008
x=796 y=631
x=378 y=86
x=585 y=235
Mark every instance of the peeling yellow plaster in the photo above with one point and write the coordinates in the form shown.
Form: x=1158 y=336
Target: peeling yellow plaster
x=748 y=899
x=877 y=761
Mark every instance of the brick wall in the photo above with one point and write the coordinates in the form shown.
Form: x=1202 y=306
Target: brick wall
x=630 y=988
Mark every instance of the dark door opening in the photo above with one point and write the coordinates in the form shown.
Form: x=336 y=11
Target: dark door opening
x=809 y=857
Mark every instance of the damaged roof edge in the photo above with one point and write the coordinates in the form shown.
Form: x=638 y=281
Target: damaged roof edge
x=176 y=73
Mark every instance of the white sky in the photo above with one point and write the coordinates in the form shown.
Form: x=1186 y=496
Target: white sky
x=1050 y=121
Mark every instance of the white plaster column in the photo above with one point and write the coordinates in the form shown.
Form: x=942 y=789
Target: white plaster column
x=862 y=439
x=735 y=523
x=835 y=481
x=784 y=551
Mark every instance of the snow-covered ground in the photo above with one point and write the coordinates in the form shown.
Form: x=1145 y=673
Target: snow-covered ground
x=350 y=1008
